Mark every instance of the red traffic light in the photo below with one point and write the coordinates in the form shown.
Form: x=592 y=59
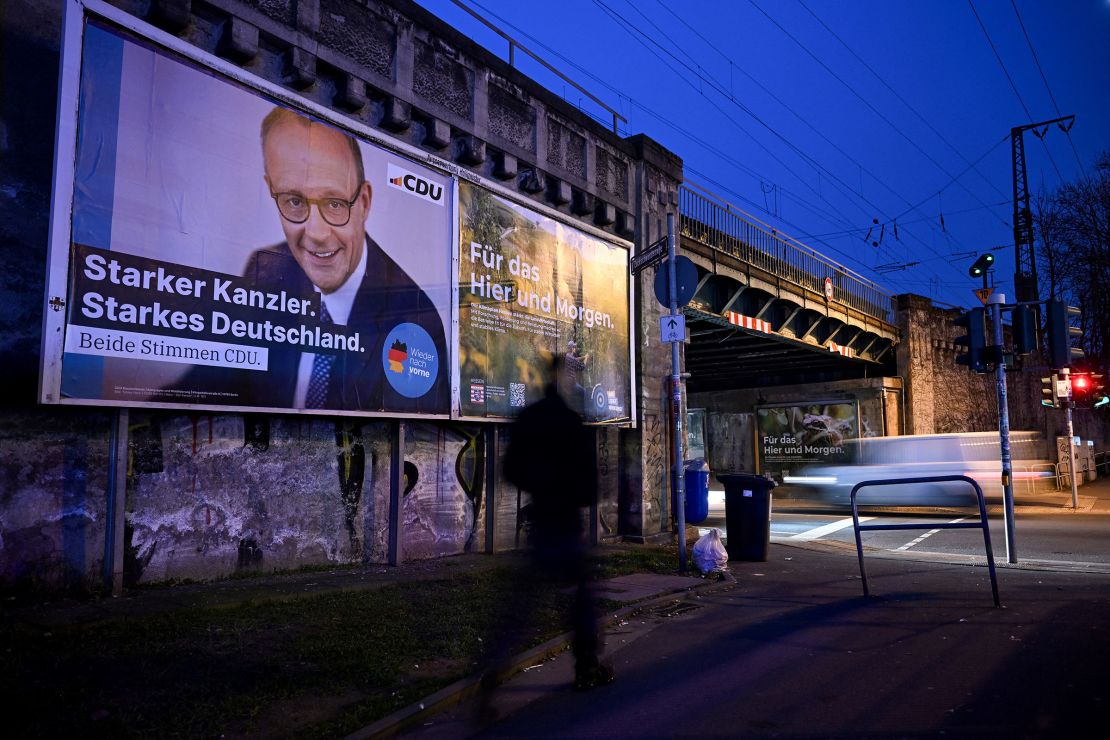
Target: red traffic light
x=1081 y=382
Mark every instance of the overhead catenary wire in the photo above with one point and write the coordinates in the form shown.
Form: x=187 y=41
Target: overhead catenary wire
x=692 y=137
x=638 y=35
x=1013 y=86
x=955 y=177
x=631 y=27
x=863 y=99
x=805 y=121
x=726 y=189
x=785 y=192
x=624 y=22
x=898 y=95
x=666 y=121
x=868 y=104
x=856 y=257
x=1044 y=79
x=849 y=232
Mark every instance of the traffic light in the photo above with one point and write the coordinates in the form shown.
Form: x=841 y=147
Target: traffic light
x=1049 y=390
x=1088 y=390
x=1061 y=333
x=973 y=324
x=981 y=265
x=1080 y=387
x=1024 y=329
x=1099 y=398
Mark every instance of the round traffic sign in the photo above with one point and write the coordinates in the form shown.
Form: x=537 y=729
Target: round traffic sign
x=686 y=281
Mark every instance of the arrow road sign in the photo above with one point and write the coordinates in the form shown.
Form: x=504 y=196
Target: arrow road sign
x=651 y=254
x=672 y=328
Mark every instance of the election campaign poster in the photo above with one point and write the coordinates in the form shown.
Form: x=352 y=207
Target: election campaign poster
x=531 y=289
x=228 y=251
x=792 y=435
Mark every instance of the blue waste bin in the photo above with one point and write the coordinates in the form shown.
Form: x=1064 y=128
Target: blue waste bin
x=697 y=491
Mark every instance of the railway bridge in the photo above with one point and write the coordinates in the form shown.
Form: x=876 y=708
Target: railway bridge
x=768 y=310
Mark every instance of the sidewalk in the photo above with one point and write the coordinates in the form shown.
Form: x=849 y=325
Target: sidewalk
x=793 y=649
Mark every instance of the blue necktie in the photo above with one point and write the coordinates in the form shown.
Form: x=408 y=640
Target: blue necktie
x=321 y=370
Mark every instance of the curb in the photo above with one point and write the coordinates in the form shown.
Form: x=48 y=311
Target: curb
x=461 y=690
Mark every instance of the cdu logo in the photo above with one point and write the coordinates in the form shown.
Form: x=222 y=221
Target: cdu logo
x=414 y=184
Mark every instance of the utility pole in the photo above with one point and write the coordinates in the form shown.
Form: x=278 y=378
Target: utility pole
x=678 y=475
x=1065 y=375
x=996 y=302
x=1025 y=265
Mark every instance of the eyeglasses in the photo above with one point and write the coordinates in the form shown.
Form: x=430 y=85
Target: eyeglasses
x=295 y=207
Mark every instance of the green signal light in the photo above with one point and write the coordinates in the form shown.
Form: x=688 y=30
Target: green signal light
x=981 y=265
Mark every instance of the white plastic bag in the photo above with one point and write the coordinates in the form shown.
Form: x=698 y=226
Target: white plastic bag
x=710 y=556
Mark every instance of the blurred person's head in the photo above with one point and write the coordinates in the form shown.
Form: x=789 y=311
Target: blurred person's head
x=316 y=177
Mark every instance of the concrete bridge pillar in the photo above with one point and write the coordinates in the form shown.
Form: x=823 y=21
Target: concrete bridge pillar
x=647 y=451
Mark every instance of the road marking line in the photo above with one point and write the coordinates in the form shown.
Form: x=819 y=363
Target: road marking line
x=824 y=529
x=925 y=536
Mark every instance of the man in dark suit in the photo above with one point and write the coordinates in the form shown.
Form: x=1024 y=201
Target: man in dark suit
x=316 y=178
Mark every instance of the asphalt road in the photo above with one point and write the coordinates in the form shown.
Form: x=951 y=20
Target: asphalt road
x=1047 y=528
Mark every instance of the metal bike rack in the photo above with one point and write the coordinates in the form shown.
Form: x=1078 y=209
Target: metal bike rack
x=949 y=525
x=1052 y=470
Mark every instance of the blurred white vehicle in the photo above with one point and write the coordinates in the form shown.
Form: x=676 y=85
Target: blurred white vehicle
x=975 y=454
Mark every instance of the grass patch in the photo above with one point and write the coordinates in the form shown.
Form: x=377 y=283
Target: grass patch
x=661 y=559
x=314 y=666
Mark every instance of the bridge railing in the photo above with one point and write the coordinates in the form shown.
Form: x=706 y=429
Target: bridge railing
x=722 y=226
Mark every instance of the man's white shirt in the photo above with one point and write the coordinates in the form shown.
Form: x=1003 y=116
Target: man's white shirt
x=339 y=303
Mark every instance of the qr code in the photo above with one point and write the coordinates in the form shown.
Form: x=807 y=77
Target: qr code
x=516 y=394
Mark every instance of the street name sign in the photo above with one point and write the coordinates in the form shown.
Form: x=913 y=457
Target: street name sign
x=650 y=255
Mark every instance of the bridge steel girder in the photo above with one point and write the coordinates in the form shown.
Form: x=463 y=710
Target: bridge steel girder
x=766 y=307
x=792 y=347
x=863 y=352
x=789 y=317
x=817 y=319
x=747 y=277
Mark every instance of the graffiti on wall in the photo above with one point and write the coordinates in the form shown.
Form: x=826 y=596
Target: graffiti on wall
x=608 y=479
x=210 y=495
x=441 y=512
x=655 y=445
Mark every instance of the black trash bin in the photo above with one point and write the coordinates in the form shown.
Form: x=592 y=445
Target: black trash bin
x=747 y=515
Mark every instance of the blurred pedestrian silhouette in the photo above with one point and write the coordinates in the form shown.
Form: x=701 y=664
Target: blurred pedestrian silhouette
x=550 y=456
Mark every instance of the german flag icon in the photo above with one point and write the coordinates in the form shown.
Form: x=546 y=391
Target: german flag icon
x=398 y=353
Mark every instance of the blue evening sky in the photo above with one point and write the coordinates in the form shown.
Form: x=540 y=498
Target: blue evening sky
x=818 y=117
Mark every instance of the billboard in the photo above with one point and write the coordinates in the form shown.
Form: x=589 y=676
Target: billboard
x=225 y=250
x=791 y=435
x=532 y=288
